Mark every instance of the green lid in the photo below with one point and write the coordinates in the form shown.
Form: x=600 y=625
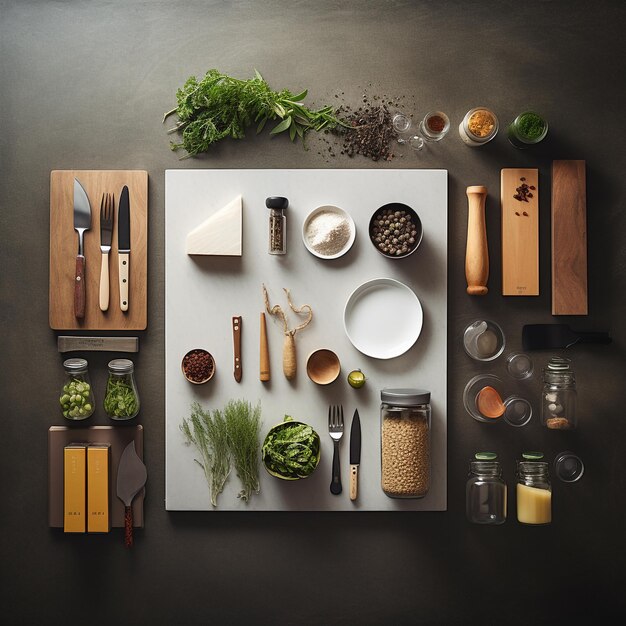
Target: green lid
x=532 y=456
x=486 y=456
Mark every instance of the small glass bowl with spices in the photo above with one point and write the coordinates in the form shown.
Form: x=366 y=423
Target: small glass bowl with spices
x=328 y=232
x=434 y=126
x=479 y=126
x=121 y=401
x=527 y=129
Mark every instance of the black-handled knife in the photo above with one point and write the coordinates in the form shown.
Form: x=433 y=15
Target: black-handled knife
x=123 y=246
x=355 y=454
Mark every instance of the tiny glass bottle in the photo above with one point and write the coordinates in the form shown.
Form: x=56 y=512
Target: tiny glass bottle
x=121 y=401
x=558 y=398
x=485 y=491
x=405 y=442
x=76 y=399
x=534 y=493
x=278 y=224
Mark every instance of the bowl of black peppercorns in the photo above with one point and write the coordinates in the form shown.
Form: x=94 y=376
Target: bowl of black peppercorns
x=396 y=230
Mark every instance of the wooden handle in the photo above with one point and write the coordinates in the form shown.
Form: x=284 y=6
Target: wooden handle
x=124 y=260
x=79 y=288
x=477 y=253
x=264 y=353
x=128 y=527
x=354 y=481
x=104 y=282
x=237 y=372
x=289 y=357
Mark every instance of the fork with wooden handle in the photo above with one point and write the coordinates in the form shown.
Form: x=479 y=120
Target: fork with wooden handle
x=107 y=206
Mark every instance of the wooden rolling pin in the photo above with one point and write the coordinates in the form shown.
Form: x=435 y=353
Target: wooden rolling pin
x=476 y=253
x=264 y=360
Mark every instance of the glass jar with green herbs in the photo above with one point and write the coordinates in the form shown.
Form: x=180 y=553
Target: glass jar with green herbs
x=76 y=399
x=527 y=129
x=121 y=401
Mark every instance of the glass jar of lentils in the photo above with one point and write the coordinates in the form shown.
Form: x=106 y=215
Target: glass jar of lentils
x=405 y=442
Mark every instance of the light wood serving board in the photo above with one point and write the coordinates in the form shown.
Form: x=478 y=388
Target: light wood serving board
x=569 y=238
x=520 y=232
x=64 y=248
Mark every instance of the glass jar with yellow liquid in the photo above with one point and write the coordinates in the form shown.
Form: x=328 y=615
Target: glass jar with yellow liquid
x=534 y=492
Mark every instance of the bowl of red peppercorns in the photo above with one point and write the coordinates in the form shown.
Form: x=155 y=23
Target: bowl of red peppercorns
x=396 y=230
x=198 y=366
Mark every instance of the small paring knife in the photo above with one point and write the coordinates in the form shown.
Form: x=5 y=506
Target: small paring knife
x=355 y=454
x=237 y=372
x=123 y=246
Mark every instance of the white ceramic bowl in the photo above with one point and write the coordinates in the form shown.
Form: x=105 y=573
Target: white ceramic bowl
x=332 y=209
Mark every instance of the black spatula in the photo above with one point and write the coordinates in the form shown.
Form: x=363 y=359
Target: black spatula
x=547 y=336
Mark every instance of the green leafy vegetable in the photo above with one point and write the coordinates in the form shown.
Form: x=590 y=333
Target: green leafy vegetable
x=291 y=450
x=219 y=106
x=243 y=425
x=208 y=433
x=120 y=399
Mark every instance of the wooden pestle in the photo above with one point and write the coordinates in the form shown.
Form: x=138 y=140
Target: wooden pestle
x=264 y=360
x=476 y=253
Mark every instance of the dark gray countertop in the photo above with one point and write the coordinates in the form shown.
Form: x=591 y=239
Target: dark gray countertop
x=84 y=86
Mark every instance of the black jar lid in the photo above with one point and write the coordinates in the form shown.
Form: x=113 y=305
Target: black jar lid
x=405 y=396
x=276 y=202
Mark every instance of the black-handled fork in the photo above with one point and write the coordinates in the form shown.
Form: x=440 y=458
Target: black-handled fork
x=335 y=430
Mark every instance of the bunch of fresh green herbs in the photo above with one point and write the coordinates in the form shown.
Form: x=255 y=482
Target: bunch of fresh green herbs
x=219 y=106
x=225 y=436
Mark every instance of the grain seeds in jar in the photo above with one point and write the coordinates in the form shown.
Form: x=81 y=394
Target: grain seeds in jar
x=405 y=442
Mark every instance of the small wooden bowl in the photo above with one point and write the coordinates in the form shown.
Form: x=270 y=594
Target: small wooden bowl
x=211 y=361
x=323 y=366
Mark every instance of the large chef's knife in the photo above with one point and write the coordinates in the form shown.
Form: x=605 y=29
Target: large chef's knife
x=82 y=222
x=355 y=454
x=131 y=478
x=123 y=246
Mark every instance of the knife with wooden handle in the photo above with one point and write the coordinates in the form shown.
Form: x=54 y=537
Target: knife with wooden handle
x=123 y=247
x=237 y=347
x=477 y=253
x=82 y=222
x=355 y=454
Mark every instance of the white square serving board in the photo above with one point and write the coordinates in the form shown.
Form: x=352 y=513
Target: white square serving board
x=203 y=293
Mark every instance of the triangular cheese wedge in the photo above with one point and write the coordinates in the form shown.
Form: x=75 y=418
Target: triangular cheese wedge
x=219 y=234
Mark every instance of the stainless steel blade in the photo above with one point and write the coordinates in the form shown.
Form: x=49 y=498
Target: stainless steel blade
x=82 y=213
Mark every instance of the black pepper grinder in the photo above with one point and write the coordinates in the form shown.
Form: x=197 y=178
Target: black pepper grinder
x=278 y=224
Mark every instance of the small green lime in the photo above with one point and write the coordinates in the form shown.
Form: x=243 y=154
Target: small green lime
x=356 y=379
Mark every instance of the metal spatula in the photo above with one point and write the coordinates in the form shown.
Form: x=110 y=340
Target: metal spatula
x=548 y=336
x=131 y=478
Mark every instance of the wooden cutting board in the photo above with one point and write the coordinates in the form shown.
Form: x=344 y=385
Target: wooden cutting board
x=519 y=199
x=64 y=248
x=569 y=238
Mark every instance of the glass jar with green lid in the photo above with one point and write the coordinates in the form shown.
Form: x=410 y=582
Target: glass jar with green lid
x=76 y=398
x=534 y=491
x=121 y=401
x=485 y=491
x=527 y=129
